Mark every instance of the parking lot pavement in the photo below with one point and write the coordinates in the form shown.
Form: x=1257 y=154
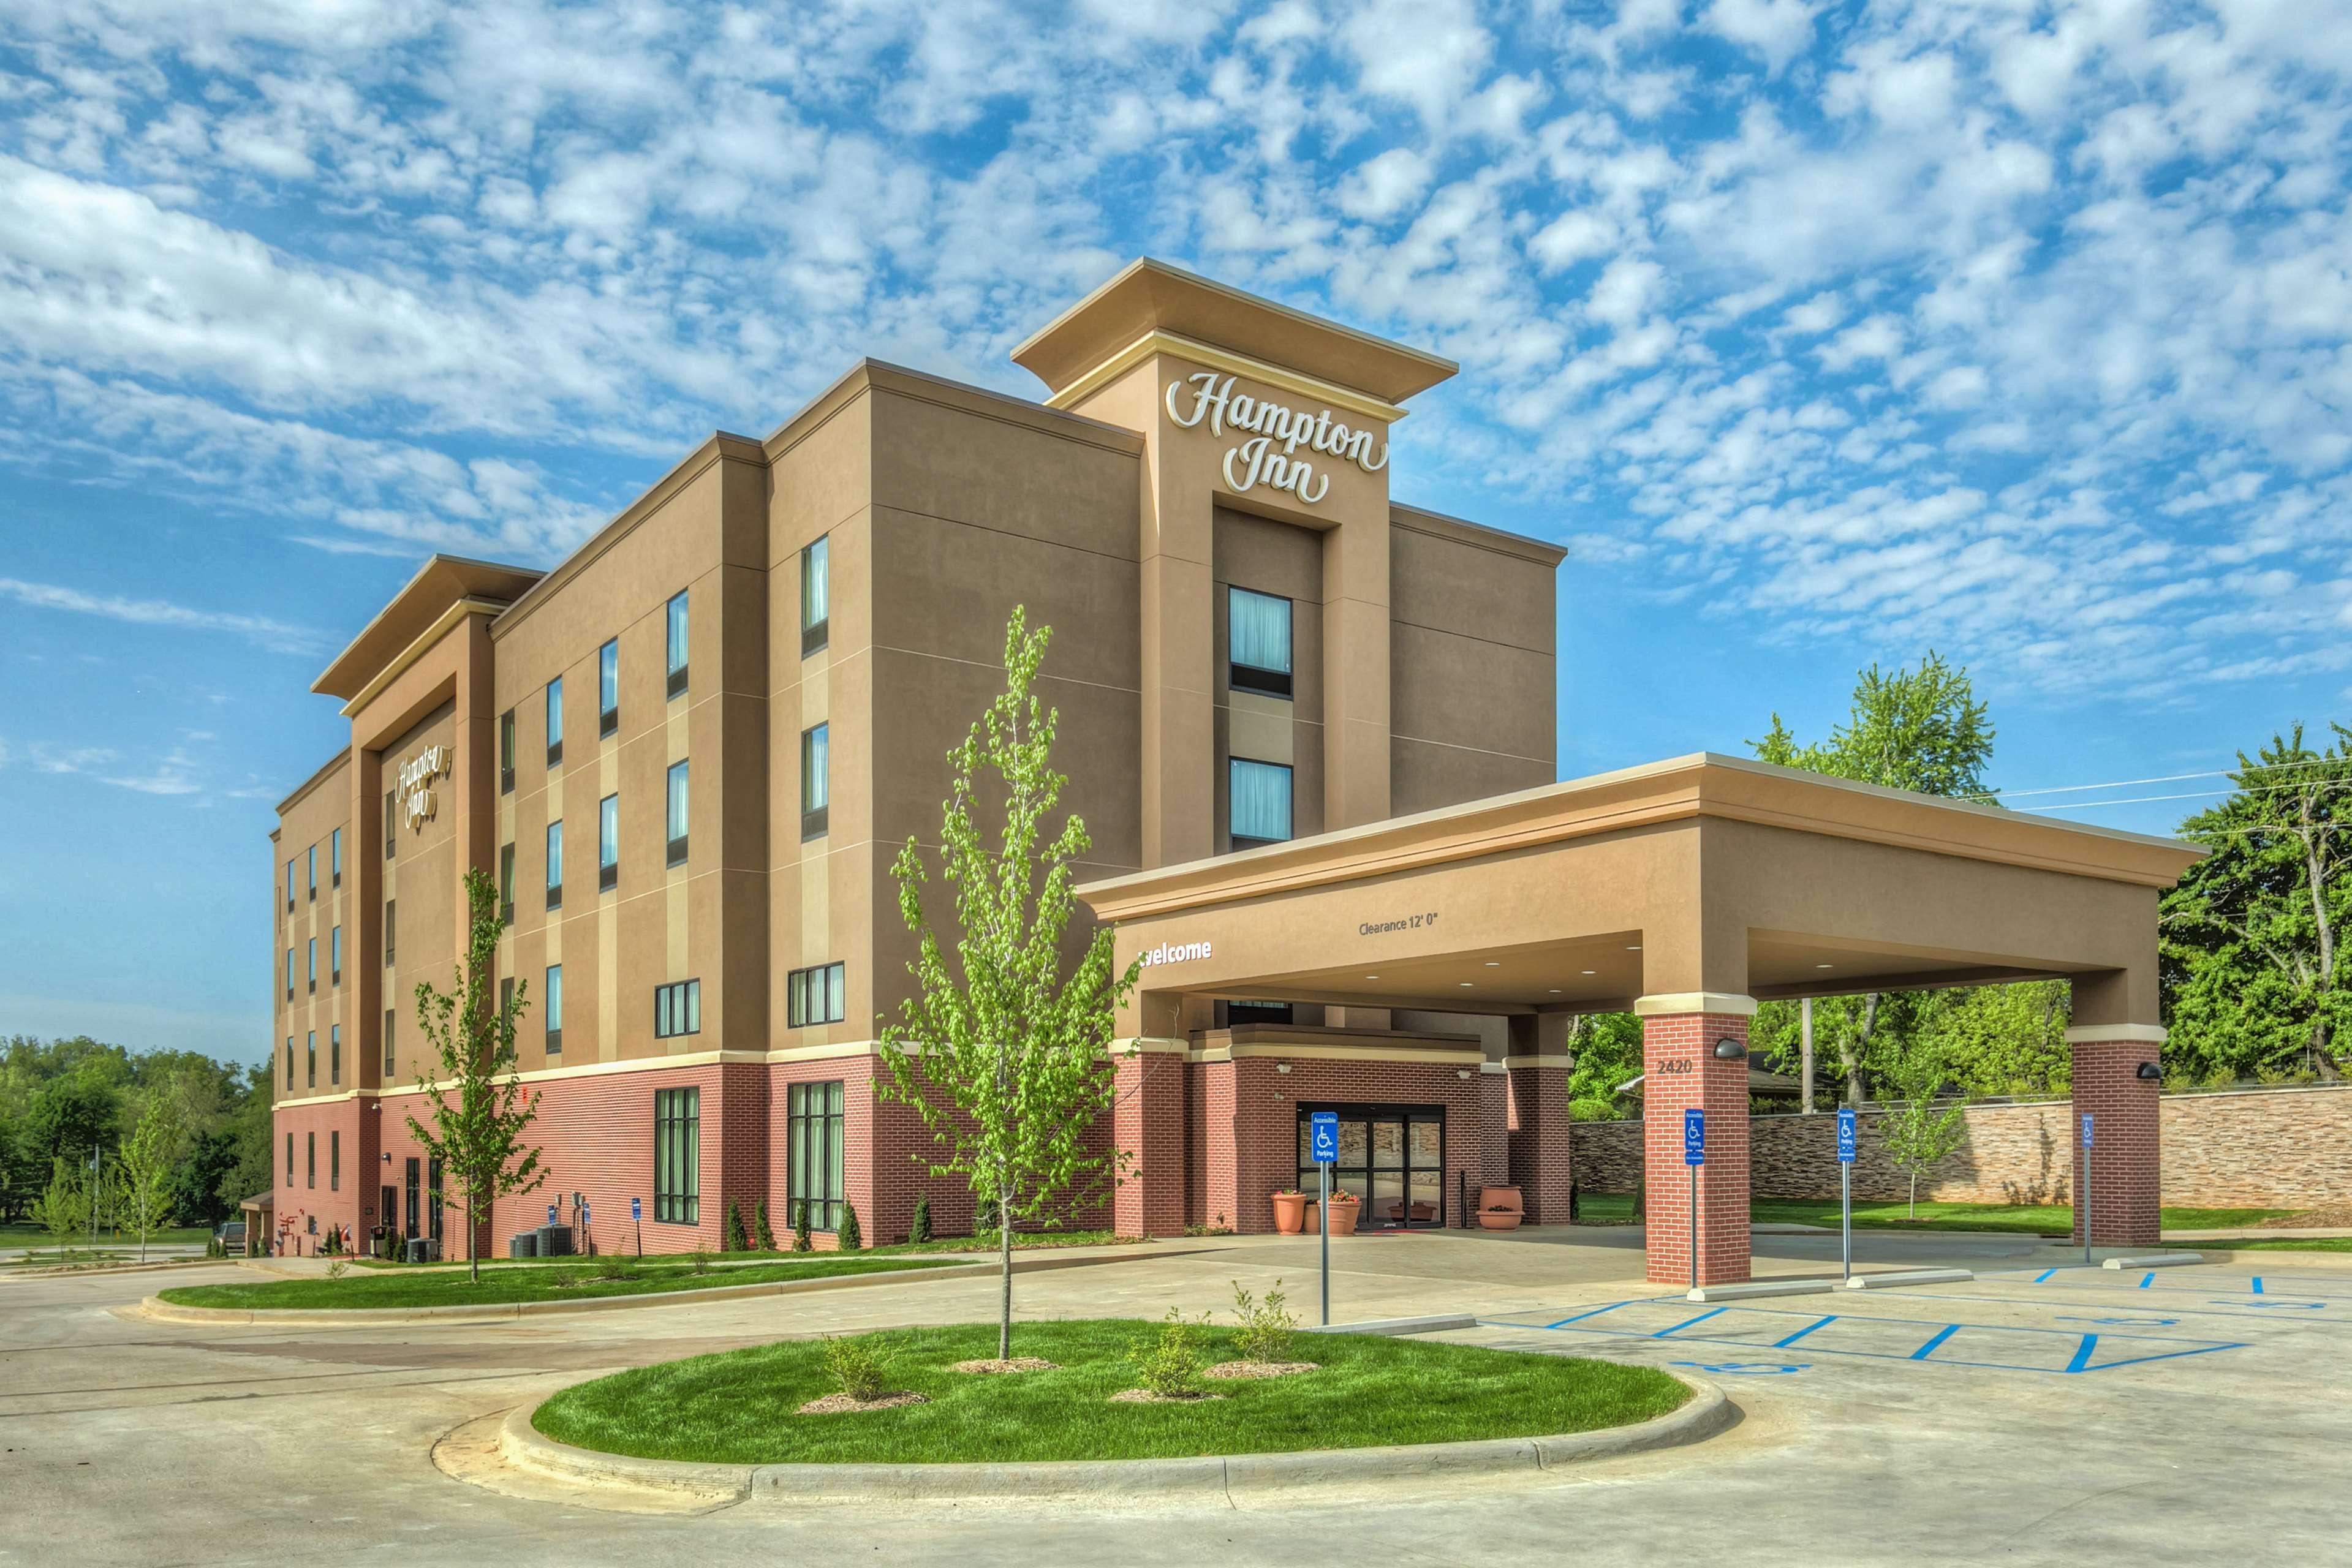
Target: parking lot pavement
x=2039 y=1413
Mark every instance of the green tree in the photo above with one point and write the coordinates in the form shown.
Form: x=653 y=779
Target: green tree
x=63 y=1207
x=1604 y=1050
x=2257 y=978
x=149 y=1166
x=1003 y=1055
x=1916 y=1132
x=478 y=1125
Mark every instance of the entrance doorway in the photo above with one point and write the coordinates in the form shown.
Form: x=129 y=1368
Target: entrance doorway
x=1393 y=1157
x=409 y=1202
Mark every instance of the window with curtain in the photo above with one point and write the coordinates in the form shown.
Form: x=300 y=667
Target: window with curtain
x=310 y=1060
x=676 y=660
x=554 y=864
x=814 y=996
x=1257 y=641
x=608 y=687
x=676 y=814
x=816 y=595
x=289 y=1061
x=334 y=1053
x=335 y=955
x=1260 y=799
x=608 y=842
x=506 y=751
x=677 y=1008
x=551 y=1002
x=815 y=781
x=677 y=1156
x=555 y=721
x=335 y=857
x=812 y=1128
x=389 y=1015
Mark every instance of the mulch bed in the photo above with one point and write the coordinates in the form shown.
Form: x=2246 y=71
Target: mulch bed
x=1018 y=1363
x=1243 y=1369
x=844 y=1405
x=1145 y=1397
x=2332 y=1217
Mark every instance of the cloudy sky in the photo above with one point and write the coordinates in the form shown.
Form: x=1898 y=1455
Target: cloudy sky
x=1825 y=331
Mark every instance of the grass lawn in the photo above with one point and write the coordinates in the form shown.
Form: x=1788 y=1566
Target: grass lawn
x=12 y=1236
x=452 y=1288
x=2025 y=1218
x=2289 y=1242
x=1047 y=1240
x=741 y=1406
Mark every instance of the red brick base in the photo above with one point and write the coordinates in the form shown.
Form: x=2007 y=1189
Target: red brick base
x=1539 y=1142
x=2126 y=1156
x=1681 y=1071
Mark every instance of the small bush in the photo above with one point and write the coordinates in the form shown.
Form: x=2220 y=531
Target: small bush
x=736 y=1240
x=338 y=1268
x=698 y=1260
x=613 y=1266
x=857 y=1366
x=1169 y=1363
x=562 y=1278
x=921 y=1230
x=1265 y=1327
x=802 y=1241
x=761 y=1236
x=848 y=1238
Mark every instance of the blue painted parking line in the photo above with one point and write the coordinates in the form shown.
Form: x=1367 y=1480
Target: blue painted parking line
x=2214 y=1308
x=1817 y=1323
x=2043 y=1275
x=2258 y=1284
x=2146 y=1280
x=1693 y=1322
x=1947 y=1330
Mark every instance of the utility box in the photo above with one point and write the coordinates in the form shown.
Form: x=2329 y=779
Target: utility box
x=554 y=1241
x=523 y=1245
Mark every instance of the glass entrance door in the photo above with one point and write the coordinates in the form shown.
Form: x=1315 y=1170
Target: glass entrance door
x=1393 y=1157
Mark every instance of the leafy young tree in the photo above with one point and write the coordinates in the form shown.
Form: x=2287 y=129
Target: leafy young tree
x=2256 y=968
x=149 y=1164
x=63 y=1207
x=1002 y=1054
x=477 y=1128
x=1917 y=1133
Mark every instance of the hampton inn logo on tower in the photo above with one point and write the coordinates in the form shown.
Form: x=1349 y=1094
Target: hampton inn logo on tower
x=1270 y=424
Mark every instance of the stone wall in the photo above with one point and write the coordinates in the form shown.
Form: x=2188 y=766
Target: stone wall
x=2270 y=1148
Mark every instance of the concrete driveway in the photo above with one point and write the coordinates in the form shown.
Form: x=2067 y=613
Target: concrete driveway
x=2043 y=1413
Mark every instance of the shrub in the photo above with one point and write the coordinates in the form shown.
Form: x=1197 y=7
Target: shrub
x=1168 y=1363
x=848 y=1238
x=613 y=1266
x=921 y=1230
x=857 y=1366
x=338 y=1268
x=1265 y=1327
x=802 y=1241
x=761 y=1236
x=562 y=1278
x=698 y=1260
x=736 y=1240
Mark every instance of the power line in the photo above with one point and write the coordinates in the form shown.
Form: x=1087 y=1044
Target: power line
x=2161 y=779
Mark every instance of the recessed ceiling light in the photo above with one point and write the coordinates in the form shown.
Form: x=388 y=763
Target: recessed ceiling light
x=1589 y=971
x=1826 y=965
x=1633 y=947
x=1371 y=977
x=1466 y=984
x=1555 y=990
x=1494 y=963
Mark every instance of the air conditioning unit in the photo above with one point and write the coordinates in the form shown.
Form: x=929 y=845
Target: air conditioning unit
x=525 y=1245
x=555 y=1241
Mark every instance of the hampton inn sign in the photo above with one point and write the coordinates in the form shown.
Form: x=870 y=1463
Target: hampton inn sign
x=1269 y=423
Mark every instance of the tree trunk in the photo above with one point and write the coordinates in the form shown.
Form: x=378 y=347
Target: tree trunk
x=1913 y=1214
x=1850 y=1056
x=1005 y=1266
x=473 y=1252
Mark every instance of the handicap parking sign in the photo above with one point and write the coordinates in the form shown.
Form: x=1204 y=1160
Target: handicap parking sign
x=1846 y=1137
x=2086 y=1129
x=1694 y=1136
x=1324 y=1129
x=637 y=1208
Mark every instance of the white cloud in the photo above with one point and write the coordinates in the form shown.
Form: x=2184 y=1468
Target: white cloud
x=1779 y=30
x=1384 y=185
x=275 y=635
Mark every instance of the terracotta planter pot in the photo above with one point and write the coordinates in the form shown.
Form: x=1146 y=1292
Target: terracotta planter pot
x=1289 y=1213
x=1344 y=1209
x=1499 y=1218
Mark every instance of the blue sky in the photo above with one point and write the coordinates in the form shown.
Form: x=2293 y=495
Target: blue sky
x=1822 y=333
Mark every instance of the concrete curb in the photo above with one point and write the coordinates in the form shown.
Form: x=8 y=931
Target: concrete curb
x=1443 y=1322
x=1909 y=1277
x=161 y=1310
x=1706 y=1413
x=1749 y=1289
x=2155 y=1261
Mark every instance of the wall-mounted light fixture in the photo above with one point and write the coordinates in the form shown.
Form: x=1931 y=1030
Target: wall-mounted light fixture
x=1282 y=1067
x=2149 y=1072
x=1463 y=1073
x=1730 y=1051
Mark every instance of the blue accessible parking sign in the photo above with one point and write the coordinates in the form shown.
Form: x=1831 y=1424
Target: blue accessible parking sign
x=1846 y=1137
x=1694 y=1136
x=2086 y=1129
x=637 y=1208
x=1324 y=1130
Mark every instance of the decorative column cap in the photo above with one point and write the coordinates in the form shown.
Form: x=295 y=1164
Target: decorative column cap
x=1725 y=1004
x=1559 y=1059
x=2132 y=1033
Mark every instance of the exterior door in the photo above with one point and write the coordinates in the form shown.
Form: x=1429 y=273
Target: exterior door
x=1393 y=1157
x=409 y=1203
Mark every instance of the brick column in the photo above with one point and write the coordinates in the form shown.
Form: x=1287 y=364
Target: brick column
x=1492 y=1165
x=1680 y=1069
x=2126 y=1156
x=1539 y=1137
x=1148 y=1129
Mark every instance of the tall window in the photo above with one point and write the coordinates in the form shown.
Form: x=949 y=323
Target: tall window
x=289 y=1061
x=391 y=909
x=289 y=973
x=310 y=971
x=814 y=996
x=310 y=858
x=310 y=1159
x=814 y=1130
x=676 y=654
x=608 y=687
x=677 y=1156
x=506 y=751
x=289 y=1143
x=310 y=1060
x=677 y=1008
x=335 y=955
x=555 y=864
x=391 y=824
x=505 y=884
x=389 y=1014
x=289 y=887
x=816 y=595
x=815 y=781
x=677 y=813
x=335 y=1053
x=555 y=721
x=552 y=1003
x=1260 y=798
x=335 y=857
x=1257 y=641
x=608 y=842
x=334 y=1161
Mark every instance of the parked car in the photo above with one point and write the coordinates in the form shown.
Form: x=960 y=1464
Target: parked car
x=231 y=1236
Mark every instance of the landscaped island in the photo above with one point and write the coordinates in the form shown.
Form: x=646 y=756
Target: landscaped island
x=587 y=1277
x=744 y=1406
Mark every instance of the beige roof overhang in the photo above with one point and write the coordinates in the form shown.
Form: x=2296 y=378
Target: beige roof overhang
x=415 y=614
x=1148 y=297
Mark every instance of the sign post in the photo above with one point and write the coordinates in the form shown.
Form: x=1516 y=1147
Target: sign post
x=1845 y=1131
x=1694 y=1157
x=2086 y=1187
x=1324 y=1129
x=637 y=1219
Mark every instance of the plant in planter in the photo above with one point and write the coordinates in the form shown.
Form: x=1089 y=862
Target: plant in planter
x=1289 y=1211
x=1345 y=1207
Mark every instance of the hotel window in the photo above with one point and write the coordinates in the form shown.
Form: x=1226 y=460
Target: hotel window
x=1259 y=794
x=290 y=1159
x=816 y=596
x=389 y=1015
x=311 y=861
x=677 y=1156
x=391 y=908
x=335 y=857
x=289 y=973
x=608 y=687
x=335 y=1054
x=555 y=865
x=555 y=721
x=289 y=887
x=310 y=1159
x=815 y=781
x=1257 y=643
x=505 y=884
x=391 y=824
x=608 y=843
x=814 y=1126
x=311 y=971
x=506 y=752
x=554 y=1008
x=678 y=814
x=289 y=1061
x=506 y=997
x=335 y=956
x=334 y=1161
x=677 y=1008
x=814 y=996
x=675 y=661
x=310 y=1060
